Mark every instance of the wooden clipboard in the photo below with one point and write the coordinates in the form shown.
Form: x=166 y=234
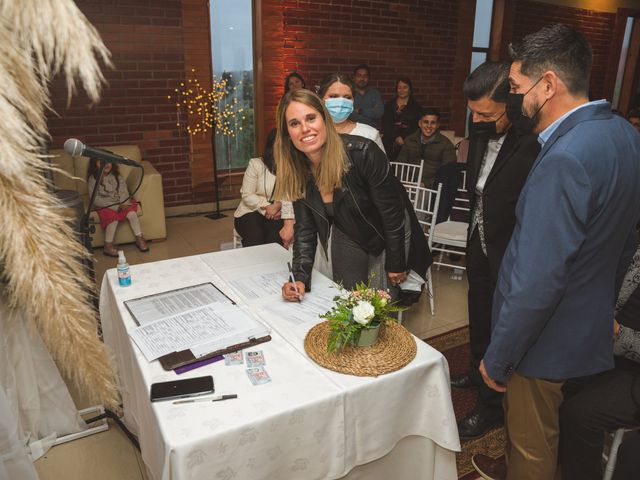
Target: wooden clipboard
x=174 y=360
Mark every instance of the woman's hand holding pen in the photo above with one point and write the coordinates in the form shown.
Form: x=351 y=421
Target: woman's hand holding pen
x=293 y=291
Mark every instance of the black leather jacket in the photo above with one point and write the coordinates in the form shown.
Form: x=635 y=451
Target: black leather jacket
x=369 y=208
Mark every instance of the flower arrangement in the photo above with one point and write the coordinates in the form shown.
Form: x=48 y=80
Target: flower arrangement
x=363 y=308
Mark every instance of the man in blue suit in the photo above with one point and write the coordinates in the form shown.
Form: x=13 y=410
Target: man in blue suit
x=574 y=237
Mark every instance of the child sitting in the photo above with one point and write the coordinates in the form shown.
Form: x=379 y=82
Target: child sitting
x=112 y=204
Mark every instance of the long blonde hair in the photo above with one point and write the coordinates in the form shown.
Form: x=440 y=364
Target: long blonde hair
x=293 y=167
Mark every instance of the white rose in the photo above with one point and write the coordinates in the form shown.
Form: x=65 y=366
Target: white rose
x=363 y=312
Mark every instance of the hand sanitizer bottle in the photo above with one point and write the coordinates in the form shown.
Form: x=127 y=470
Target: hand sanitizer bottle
x=124 y=275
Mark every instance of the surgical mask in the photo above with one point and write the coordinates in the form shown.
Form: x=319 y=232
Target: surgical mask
x=339 y=108
x=515 y=114
x=485 y=129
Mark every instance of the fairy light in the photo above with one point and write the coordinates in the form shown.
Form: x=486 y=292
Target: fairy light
x=215 y=109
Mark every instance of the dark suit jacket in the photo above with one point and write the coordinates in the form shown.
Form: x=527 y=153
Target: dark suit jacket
x=501 y=190
x=553 y=305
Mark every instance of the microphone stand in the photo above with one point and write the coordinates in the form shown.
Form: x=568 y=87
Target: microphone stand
x=217 y=214
x=86 y=230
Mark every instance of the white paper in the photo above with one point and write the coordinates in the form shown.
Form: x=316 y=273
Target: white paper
x=315 y=303
x=234 y=326
x=414 y=282
x=260 y=285
x=161 y=337
x=203 y=330
x=163 y=305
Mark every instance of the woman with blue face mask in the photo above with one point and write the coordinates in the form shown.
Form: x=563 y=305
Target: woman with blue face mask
x=336 y=90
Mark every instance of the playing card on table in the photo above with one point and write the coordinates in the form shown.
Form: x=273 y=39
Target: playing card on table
x=234 y=358
x=255 y=359
x=258 y=375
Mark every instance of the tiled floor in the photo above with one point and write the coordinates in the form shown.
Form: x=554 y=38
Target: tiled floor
x=110 y=455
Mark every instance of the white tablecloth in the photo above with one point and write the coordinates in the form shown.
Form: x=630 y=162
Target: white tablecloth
x=308 y=423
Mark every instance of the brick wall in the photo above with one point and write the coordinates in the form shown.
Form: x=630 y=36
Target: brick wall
x=147 y=44
x=156 y=43
x=524 y=17
x=429 y=41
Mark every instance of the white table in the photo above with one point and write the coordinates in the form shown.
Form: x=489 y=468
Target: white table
x=308 y=423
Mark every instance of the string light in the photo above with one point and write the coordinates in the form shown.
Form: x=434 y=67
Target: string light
x=215 y=109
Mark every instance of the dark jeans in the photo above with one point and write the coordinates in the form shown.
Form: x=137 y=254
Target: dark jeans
x=480 y=298
x=255 y=229
x=594 y=405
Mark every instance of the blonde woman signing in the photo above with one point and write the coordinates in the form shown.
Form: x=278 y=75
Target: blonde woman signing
x=336 y=90
x=342 y=185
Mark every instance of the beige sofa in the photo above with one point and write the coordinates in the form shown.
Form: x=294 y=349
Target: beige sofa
x=149 y=196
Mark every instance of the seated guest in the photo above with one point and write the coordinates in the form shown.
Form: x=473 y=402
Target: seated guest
x=367 y=104
x=609 y=400
x=428 y=144
x=113 y=204
x=634 y=118
x=342 y=186
x=259 y=219
x=293 y=81
x=337 y=91
x=400 y=117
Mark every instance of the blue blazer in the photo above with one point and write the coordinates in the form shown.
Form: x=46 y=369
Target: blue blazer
x=574 y=237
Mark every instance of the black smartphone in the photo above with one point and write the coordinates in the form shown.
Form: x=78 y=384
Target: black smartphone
x=175 y=389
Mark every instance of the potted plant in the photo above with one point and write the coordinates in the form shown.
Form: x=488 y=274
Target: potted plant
x=357 y=316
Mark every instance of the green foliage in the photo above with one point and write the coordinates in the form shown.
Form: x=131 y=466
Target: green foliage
x=372 y=307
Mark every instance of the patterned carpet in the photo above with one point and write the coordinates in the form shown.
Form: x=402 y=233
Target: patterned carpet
x=454 y=346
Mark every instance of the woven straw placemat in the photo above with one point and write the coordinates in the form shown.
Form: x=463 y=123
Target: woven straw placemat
x=395 y=349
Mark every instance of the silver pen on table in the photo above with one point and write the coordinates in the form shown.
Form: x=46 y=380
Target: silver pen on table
x=208 y=399
x=293 y=279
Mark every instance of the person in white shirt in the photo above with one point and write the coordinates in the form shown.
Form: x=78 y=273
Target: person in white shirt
x=337 y=92
x=259 y=218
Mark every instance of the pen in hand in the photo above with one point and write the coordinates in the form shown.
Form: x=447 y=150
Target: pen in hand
x=293 y=280
x=207 y=399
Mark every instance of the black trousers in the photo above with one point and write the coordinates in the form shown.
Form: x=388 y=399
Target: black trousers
x=594 y=405
x=480 y=298
x=256 y=229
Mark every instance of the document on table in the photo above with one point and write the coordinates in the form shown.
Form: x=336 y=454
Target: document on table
x=162 y=305
x=260 y=285
x=315 y=303
x=202 y=330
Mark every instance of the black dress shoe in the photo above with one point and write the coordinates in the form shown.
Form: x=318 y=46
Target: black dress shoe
x=462 y=381
x=479 y=422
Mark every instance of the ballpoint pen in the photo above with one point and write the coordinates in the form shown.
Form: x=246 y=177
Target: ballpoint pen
x=218 y=398
x=293 y=279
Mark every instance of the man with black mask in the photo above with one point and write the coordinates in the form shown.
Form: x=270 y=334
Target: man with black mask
x=571 y=244
x=499 y=161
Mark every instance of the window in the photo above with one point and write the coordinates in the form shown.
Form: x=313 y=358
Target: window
x=481 y=39
x=232 y=60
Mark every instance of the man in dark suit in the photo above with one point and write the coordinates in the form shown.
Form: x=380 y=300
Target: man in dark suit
x=573 y=240
x=497 y=166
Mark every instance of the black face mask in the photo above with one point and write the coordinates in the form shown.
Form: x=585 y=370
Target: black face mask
x=515 y=114
x=485 y=130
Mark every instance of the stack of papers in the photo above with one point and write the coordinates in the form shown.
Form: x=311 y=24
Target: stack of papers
x=199 y=318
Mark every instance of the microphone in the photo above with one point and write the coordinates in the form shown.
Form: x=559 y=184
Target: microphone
x=76 y=148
